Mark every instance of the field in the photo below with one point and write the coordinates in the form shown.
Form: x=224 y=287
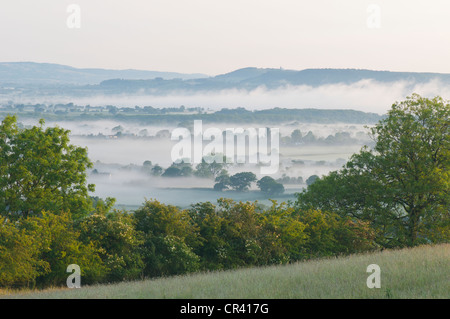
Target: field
x=420 y=272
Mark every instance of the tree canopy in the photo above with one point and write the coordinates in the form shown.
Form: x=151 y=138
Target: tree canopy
x=270 y=186
x=401 y=185
x=40 y=170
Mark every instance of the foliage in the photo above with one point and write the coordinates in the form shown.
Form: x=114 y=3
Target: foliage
x=168 y=236
x=157 y=170
x=19 y=263
x=162 y=240
x=329 y=234
x=60 y=246
x=40 y=170
x=401 y=187
x=311 y=180
x=210 y=170
x=37 y=250
x=222 y=182
x=242 y=181
x=270 y=186
x=178 y=170
x=114 y=236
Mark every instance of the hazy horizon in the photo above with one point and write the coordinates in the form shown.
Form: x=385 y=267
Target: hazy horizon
x=217 y=74
x=365 y=95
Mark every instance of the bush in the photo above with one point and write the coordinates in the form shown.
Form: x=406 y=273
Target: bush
x=59 y=247
x=19 y=263
x=169 y=237
x=330 y=235
x=114 y=236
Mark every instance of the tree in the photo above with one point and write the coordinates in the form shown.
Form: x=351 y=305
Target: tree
x=210 y=170
x=19 y=262
x=328 y=234
x=147 y=163
x=143 y=133
x=186 y=171
x=157 y=170
x=169 y=238
x=412 y=160
x=402 y=185
x=178 y=170
x=211 y=227
x=147 y=166
x=117 y=129
x=172 y=171
x=113 y=234
x=296 y=136
x=270 y=186
x=309 y=138
x=242 y=181
x=240 y=231
x=310 y=180
x=61 y=246
x=222 y=181
x=40 y=170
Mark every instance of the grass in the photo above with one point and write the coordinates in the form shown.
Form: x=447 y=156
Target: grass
x=420 y=272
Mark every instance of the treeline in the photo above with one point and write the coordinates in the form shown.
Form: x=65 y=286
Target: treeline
x=239 y=182
x=339 y=138
x=109 y=109
x=182 y=114
x=163 y=240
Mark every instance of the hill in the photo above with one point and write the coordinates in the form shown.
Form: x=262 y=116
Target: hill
x=24 y=73
x=420 y=272
x=48 y=74
x=252 y=78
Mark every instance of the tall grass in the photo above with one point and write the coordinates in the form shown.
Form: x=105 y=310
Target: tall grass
x=420 y=272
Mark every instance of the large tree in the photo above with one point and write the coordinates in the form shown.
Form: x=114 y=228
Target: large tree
x=270 y=186
x=242 y=181
x=401 y=185
x=40 y=170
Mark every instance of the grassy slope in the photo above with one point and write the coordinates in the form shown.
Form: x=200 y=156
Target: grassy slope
x=421 y=272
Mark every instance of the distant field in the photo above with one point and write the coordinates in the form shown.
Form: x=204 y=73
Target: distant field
x=421 y=272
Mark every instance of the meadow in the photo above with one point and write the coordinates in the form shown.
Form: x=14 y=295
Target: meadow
x=419 y=272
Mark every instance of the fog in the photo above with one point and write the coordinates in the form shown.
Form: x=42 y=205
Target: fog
x=105 y=127
x=365 y=95
x=118 y=161
x=130 y=186
x=120 y=173
x=133 y=150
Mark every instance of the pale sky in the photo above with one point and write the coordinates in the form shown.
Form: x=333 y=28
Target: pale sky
x=214 y=37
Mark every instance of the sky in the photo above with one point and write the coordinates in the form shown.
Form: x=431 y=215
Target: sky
x=215 y=37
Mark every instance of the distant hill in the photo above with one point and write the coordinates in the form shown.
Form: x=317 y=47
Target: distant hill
x=251 y=78
x=50 y=74
x=317 y=77
x=44 y=79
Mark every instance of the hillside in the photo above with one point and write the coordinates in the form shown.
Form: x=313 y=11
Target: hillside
x=27 y=82
x=83 y=80
x=252 y=78
x=30 y=73
x=420 y=272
